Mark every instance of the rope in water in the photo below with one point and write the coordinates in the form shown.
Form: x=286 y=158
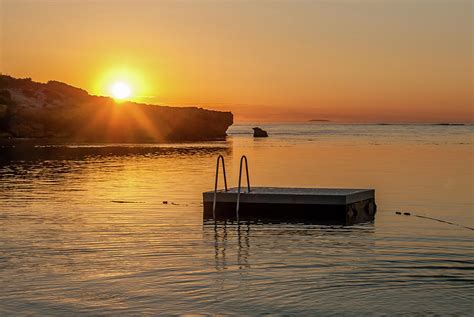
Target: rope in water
x=435 y=219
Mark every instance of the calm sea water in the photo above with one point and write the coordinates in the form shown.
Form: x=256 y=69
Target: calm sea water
x=118 y=229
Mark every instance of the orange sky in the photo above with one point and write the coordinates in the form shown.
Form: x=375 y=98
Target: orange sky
x=352 y=61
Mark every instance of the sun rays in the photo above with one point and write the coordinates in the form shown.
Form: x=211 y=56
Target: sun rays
x=123 y=83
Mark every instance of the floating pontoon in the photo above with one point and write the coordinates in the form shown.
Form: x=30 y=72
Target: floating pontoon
x=318 y=205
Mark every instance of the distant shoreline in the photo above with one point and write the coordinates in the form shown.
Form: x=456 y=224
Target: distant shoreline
x=263 y=123
x=427 y=124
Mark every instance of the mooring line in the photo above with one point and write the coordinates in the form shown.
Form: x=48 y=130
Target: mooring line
x=435 y=219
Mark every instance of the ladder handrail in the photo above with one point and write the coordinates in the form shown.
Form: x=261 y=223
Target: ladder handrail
x=219 y=158
x=240 y=181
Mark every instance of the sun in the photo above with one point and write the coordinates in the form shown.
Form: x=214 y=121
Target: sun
x=120 y=90
x=123 y=83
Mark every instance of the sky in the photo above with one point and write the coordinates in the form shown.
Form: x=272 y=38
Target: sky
x=345 y=61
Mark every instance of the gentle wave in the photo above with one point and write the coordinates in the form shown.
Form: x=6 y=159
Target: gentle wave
x=104 y=232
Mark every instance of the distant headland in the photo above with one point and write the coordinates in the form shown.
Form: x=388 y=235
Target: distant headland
x=58 y=111
x=398 y=123
x=449 y=124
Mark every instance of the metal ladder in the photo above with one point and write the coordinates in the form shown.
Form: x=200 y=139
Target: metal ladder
x=221 y=158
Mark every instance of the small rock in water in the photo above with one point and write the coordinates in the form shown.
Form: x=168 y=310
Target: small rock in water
x=259 y=133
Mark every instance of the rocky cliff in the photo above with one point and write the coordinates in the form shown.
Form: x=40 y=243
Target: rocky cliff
x=58 y=111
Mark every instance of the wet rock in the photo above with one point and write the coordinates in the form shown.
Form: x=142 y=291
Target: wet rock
x=259 y=133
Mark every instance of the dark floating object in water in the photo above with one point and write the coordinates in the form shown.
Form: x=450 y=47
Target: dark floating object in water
x=316 y=205
x=259 y=133
x=125 y=202
x=435 y=219
x=165 y=202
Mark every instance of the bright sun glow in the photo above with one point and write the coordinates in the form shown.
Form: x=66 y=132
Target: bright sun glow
x=123 y=83
x=120 y=90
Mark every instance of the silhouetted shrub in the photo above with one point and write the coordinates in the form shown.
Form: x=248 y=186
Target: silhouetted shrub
x=5 y=95
x=28 y=93
x=52 y=95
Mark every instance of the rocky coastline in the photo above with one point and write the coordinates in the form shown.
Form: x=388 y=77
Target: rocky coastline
x=55 y=111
